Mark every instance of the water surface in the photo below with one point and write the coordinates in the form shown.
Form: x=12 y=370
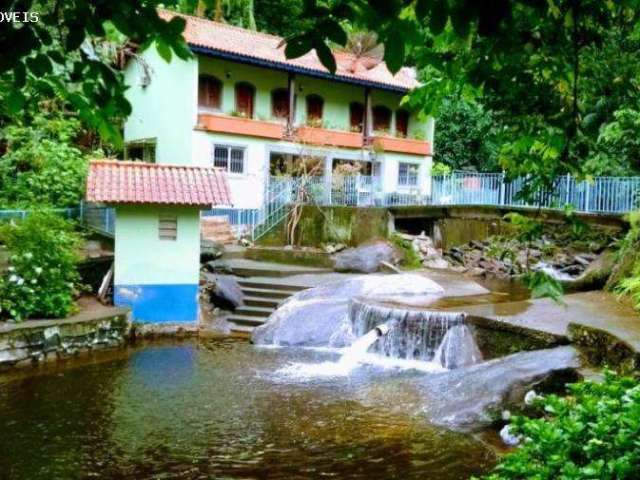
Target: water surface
x=224 y=410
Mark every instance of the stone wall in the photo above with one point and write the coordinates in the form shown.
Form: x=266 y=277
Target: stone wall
x=350 y=226
x=35 y=341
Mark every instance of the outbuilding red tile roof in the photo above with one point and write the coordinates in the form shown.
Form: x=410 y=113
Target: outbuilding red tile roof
x=222 y=38
x=137 y=182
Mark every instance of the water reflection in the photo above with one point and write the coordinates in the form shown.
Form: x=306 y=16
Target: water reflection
x=217 y=410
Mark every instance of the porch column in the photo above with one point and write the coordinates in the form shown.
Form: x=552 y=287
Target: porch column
x=291 y=120
x=328 y=178
x=368 y=116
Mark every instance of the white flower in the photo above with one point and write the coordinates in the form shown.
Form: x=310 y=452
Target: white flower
x=13 y=278
x=12 y=269
x=20 y=281
x=38 y=270
x=530 y=397
x=28 y=255
x=33 y=281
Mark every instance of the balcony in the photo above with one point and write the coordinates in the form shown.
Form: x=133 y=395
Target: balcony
x=327 y=137
x=241 y=126
x=402 y=145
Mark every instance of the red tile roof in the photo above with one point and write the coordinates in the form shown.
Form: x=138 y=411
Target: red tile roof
x=237 y=41
x=137 y=182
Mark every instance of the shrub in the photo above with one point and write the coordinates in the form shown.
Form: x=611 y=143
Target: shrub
x=593 y=433
x=41 y=165
x=626 y=275
x=42 y=274
x=411 y=259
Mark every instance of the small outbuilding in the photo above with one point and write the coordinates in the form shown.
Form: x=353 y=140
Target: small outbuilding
x=157 y=233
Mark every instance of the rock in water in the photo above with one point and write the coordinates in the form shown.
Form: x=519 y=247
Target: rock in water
x=224 y=292
x=364 y=259
x=471 y=397
x=320 y=316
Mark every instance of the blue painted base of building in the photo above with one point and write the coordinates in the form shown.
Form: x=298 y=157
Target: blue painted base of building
x=159 y=303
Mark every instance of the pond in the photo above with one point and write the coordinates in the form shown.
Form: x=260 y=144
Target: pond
x=224 y=409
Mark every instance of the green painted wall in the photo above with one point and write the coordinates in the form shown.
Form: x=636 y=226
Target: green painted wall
x=166 y=108
x=143 y=259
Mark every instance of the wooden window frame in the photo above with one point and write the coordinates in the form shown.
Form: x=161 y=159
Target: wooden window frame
x=250 y=87
x=357 y=126
x=399 y=114
x=312 y=98
x=205 y=106
x=375 y=113
x=276 y=113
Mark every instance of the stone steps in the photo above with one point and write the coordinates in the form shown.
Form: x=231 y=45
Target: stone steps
x=262 y=298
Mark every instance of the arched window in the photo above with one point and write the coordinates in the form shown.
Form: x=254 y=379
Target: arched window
x=356 y=115
x=245 y=99
x=381 y=119
x=280 y=103
x=209 y=92
x=315 y=105
x=402 y=123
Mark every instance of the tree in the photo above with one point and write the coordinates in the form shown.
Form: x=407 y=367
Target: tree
x=464 y=136
x=524 y=58
x=55 y=54
x=280 y=17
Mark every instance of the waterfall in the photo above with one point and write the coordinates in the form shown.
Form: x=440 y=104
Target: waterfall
x=432 y=336
x=458 y=348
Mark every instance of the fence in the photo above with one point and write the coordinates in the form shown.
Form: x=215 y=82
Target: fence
x=6 y=215
x=99 y=218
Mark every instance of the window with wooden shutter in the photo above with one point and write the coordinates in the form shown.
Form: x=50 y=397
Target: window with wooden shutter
x=381 y=119
x=245 y=95
x=315 y=106
x=402 y=123
x=280 y=103
x=168 y=227
x=356 y=114
x=209 y=92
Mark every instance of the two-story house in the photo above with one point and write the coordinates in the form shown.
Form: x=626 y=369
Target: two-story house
x=241 y=105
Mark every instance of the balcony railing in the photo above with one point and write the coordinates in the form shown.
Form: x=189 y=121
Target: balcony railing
x=309 y=135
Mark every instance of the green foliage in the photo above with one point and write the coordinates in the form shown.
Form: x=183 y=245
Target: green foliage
x=527 y=228
x=617 y=150
x=578 y=227
x=439 y=169
x=593 y=433
x=59 y=56
x=41 y=166
x=42 y=273
x=411 y=259
x=464 y=136
x=543 y=285
x=629 y=279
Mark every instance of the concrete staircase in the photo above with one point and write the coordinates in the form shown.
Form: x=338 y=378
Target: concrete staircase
x=262 y=297
x=217 y=229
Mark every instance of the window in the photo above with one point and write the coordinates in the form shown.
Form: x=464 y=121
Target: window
x=245 y=95
x=230 y=159
x=356 y=114
x=402 y=123
x=381 y=119
x=315 y=105
x=280 y=103
x=407 y=174
x=209 y=92
x=168 y=227
x=141 y=150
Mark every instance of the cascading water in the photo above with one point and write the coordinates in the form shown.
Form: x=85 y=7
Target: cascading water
x=428 y=336
x=457 y=349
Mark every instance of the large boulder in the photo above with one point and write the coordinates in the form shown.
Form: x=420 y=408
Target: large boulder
x=224 y=292
x=320 y=316
x=365 y=258
x=210 y=250
x=472 y=397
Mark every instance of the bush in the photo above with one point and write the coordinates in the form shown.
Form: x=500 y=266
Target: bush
x=626 y=275
x=41 y=165
x=593 y=433
x=42 y=274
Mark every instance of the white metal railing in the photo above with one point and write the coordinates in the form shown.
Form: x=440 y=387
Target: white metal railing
x=615 y=195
